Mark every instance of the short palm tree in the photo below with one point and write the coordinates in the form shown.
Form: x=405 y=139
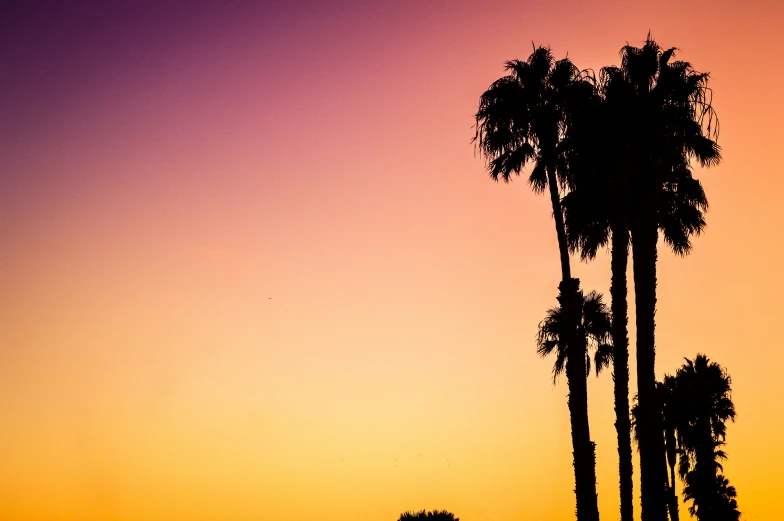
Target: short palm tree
x=524 y=117
x=704 y=403
x=694 y=407
x=662 y=121
x=715 y=499
x=593 y=337
x=727 y=505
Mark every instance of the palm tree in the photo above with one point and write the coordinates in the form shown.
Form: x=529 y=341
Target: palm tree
x=662 y=121
x=435 y=515
x=524 y=117
x=713 y=500
x=596 y=215
x=727 y=507
x=593 y=335
x=694 y=406
x=702 y=393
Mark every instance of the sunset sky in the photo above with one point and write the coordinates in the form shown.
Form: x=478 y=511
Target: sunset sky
x=251 y=267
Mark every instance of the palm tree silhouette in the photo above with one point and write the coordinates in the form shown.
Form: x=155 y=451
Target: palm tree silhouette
x=525 y=117
x=695 y=405
x=593 y=335
x=711 y=500
x=727 y=505
x=596 y=214
x=662 y=120
x=422 y=515
x=702 y=394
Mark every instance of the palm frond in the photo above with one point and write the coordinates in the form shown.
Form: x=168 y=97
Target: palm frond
x=593 y=333
x=538 y=178
x=603 y=357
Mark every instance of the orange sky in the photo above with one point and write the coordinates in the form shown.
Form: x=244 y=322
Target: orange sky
x=250 y=267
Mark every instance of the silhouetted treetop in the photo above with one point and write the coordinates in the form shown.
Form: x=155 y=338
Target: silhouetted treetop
x=433 y=515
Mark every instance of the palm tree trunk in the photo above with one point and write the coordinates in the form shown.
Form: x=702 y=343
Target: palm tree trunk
x=618 y=293
x=560 y=227
x=650 y=438
x=583 y=448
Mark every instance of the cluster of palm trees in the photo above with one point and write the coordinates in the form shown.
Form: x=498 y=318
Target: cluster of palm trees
x=695 y=405
x=615 y=154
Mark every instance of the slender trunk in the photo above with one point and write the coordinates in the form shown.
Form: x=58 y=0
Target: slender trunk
x=560 y=228
x=583 y=448
x=650 y=438
x=618 y=293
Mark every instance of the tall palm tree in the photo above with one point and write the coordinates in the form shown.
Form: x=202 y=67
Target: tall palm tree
x=704 y=403
x=662 y=121
x=596 y=216
x=523 y=118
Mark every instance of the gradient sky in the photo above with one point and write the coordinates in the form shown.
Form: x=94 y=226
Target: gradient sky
x=251 y=268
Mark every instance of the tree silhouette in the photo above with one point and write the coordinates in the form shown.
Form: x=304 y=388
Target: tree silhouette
x=434 y=515
x=662 y=121
x=525 y=117
x=596 y=214
x=702 y=394
x=694 y=406
x=726 y=505
x=593 y=334
x=714 y=501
